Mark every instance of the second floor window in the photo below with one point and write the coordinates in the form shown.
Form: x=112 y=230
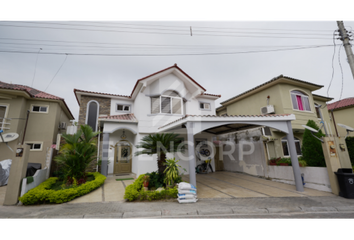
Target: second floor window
x=300 y=101
x=169 y=102
x=123 y=108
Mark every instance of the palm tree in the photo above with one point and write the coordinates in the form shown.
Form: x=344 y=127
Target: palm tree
x=77 y=153
x=159 y=144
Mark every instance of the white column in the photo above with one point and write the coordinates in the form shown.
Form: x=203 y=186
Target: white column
x=294 y=160
x=191 y=154
x=105 y=149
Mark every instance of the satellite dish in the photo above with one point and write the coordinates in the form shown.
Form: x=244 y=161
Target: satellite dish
x=350 y=129
x=310 y=128
x=9 y=137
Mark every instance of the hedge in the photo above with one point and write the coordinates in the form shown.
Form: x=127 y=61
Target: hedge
x=42 y=193
x=135 y=191
x=350 y=145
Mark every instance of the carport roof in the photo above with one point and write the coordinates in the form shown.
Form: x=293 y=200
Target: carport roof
x=232 y=123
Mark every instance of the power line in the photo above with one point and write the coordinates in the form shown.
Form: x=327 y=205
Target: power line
x=167 y=28
x=56 y=73
x=334 y=52
x=170 y=33
x=165 y=55
x=35 y=67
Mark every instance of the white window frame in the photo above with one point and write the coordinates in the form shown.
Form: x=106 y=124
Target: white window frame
x=39 y=105
x=3 y=122
x=124 y=105
x=35 y=142
x=205 y=109
x=287 y=145
x=165 y=96
x=319 y=109
x=303 y=96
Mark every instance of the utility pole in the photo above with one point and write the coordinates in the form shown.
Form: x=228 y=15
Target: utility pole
x=345 y=39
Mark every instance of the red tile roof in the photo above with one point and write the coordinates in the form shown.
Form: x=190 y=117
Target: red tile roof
x=125 y=117
x=228 y=116
x=34 y=93
x=341 y=104
x=174 y=66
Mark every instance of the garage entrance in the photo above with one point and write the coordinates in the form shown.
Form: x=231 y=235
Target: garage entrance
x=223 y=184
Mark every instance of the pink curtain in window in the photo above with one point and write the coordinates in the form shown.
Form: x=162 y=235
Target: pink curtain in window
x=299 y=102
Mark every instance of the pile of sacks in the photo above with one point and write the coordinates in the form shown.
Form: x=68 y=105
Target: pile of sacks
x=187 y=193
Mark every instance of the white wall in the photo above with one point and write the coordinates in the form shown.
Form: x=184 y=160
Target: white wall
x=315 y=177
x=114 y=103
x=39 y=177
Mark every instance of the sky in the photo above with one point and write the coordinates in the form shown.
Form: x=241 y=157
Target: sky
x=225 y=57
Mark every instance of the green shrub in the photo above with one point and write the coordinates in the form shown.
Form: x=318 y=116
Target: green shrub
x=42 y=193
x=350 y=145
x=312 y=148
x=135 y=191
x=156 y=180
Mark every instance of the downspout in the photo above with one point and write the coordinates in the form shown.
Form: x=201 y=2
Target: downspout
x=24 y=132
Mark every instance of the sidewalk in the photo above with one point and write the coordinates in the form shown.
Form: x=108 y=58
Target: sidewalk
x=170 y=209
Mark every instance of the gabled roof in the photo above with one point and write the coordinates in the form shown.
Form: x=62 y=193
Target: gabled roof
x=273 y=81
x=174 y=66
x=33 y=93
x=341 y=104
x=139 y=81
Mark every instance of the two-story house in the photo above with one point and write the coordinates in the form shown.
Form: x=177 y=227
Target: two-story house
x=35 y=117
x=155 y=100
x=342 y=112
x=281 y=95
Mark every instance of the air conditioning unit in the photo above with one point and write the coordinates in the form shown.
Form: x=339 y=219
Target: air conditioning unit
x=267 y=110
x=62 y=125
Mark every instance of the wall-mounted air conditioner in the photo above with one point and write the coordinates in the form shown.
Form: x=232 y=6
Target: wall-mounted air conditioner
x=267 y=110
x=62 y=125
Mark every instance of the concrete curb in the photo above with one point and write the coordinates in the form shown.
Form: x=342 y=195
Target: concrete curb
x=141 y=214
x=284 y=210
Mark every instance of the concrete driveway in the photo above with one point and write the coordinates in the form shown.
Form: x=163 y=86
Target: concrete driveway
x=213 y=185
x=238 y=185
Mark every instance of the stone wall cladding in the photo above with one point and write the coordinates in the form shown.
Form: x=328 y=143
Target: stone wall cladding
x=104 y=109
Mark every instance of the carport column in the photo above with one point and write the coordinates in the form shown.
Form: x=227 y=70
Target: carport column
x=105 y=149
x=191 y=154
x=294 y=160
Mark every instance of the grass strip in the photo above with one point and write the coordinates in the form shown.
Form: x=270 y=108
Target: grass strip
x=124 y=179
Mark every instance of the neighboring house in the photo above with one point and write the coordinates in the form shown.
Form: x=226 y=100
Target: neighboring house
x=342 y=112
x=158 y=99
x=281 y=95
x=48 y=115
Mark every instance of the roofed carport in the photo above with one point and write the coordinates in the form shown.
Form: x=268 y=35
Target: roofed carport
x=194 y=124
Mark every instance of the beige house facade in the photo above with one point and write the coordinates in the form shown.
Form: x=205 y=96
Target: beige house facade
x=342 y=112
x=37 y=117
x=281 y=95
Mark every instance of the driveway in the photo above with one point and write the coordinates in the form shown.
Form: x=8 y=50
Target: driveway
x=238 y=185
x=213 y=185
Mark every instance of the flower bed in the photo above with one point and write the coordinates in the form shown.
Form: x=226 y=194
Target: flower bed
x=136 y=191
x=43 y=193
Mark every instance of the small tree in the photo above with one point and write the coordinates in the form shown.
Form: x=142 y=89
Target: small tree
x=77 y=153
x=159 y=144
x=311 y=149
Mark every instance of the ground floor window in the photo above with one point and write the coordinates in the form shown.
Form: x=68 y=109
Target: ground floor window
x=285 y=145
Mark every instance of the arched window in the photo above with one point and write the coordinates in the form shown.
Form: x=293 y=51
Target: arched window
x=286 y=151
x=300 y=101
x=169 y=102
x=92 y=114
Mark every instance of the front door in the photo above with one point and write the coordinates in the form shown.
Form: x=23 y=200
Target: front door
x=123 y=158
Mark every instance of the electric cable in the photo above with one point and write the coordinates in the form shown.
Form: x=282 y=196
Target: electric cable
x=56 y=72
x=35 y=67
x=334 y=52
x=166 y=55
